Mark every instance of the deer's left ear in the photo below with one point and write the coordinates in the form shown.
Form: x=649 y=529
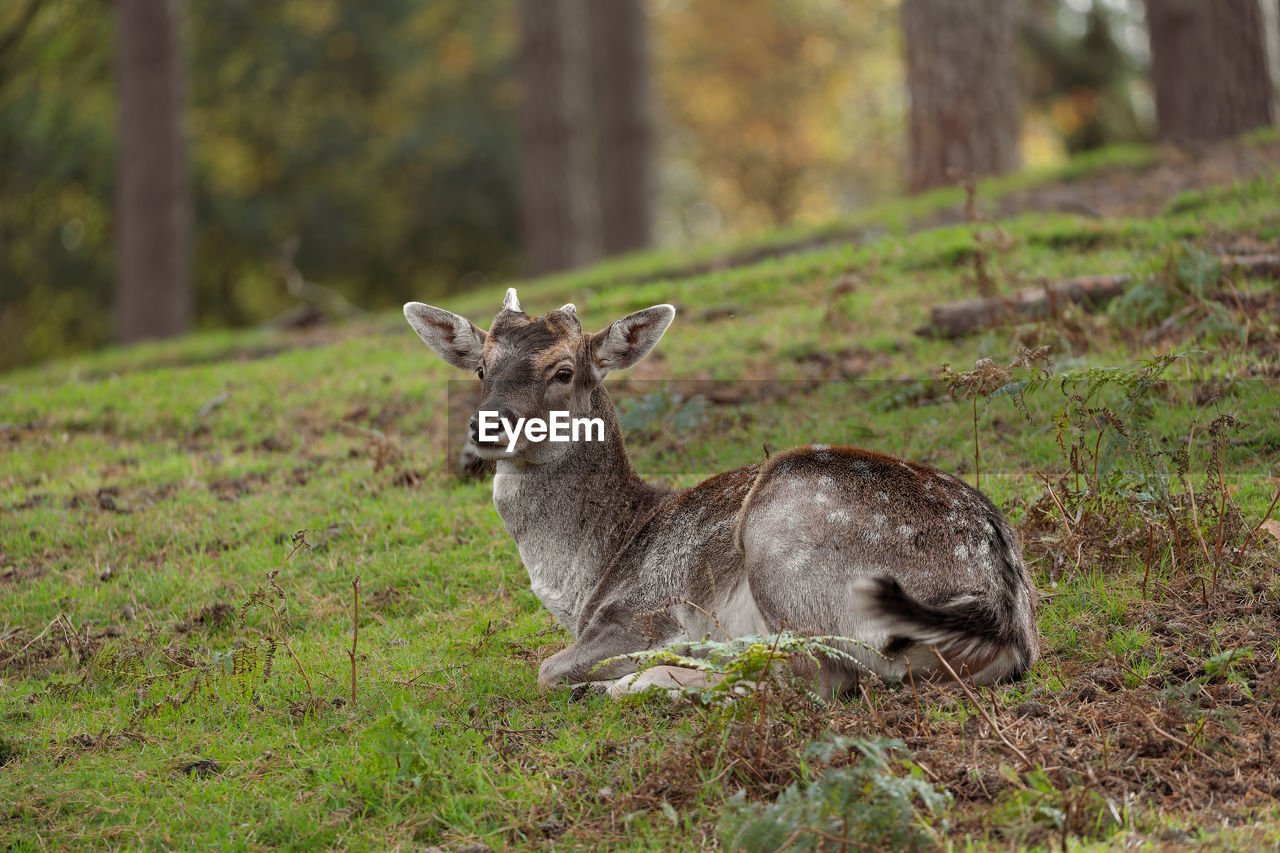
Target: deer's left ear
x=630 y=339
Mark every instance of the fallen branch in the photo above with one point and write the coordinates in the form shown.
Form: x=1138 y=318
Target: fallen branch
x=956 y=319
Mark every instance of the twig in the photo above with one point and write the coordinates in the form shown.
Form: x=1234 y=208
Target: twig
x=977 y=472
x=53 y=622
x=764 y=698
x=982 y=711
x=866 y=697
x=1179 y=741
x=302 y=669
x=843 y=842
x=711 y=616
x=1146 y=575
x=915 y=694
x=1266 y=515
x=1222 y=509
x=1194 y=735
x=1195 y=524
x=1061 y=509
x=432 y=671
x=355 y=634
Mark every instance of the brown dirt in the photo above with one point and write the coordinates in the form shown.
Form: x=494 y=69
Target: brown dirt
x=1177 y=741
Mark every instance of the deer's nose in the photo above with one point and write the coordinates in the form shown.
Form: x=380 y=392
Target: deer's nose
x=503 y=414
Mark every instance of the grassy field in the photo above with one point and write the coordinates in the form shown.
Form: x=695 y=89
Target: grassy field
x=175 y=650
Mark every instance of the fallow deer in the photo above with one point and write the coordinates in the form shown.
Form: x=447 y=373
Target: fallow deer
x=822 y=540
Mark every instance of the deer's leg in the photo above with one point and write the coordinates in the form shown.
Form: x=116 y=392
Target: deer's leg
x=613 y=631
x=676 y=679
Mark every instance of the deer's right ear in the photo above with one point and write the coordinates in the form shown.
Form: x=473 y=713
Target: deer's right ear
x=455 y=339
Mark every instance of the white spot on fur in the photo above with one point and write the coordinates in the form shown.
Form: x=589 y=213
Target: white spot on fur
x=961 y=553
x=883 y=496
x=821 y=446
x=906 y=531
x=780 y=512
x=821 y=498
x=839 y=516
x=825 y=481
x=875 y=533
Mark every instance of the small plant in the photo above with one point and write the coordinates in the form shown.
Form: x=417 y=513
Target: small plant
x=1035 y=810
x=1223 y=666
x=1111 y=445
x=179 y=674
x=402 y=746
x=988 y=380
x=1178 y=293
x=756 y=716
x=881 y=802
x=662 y=412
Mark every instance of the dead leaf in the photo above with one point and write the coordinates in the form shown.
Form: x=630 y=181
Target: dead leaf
x=1273 y=527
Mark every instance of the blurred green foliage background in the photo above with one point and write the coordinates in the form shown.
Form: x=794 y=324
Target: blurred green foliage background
x=372 y=147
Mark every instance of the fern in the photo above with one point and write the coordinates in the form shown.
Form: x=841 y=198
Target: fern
x=747 y=661
x=879 y=803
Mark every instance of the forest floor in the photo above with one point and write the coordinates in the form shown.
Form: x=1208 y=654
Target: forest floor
x=181 y=525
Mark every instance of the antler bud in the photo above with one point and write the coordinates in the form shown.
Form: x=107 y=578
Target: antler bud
x=510 y=302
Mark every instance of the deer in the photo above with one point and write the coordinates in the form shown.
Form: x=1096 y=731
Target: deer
x=919 y=572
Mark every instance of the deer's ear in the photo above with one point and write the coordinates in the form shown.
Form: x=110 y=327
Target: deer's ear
x=455 y=339
x=630 y=339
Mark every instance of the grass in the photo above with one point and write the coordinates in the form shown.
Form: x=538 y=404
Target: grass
x=147 y=492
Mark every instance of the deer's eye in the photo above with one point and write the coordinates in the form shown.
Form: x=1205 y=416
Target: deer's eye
x=564 y=374
x=480 y=372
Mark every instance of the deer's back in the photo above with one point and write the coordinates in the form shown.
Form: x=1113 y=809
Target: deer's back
x=819 y=517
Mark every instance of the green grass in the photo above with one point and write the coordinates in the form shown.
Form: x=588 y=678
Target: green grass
x=143 y=487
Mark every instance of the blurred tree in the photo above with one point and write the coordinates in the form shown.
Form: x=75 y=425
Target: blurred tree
x=369 y=148
x=962 y=77
x=774 y=111
x=1209 y=67
x=584 y=131
x=620 y=73
x=57 y=125
x=559 y=190
x=153 y=296
x=1078 y=71
x=376 y=138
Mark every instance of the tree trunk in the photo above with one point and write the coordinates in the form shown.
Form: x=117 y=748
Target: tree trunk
x=1209 y=67
x=559 y=195
x=962 y=77
x=620 y=70
x=153 y=296
x=585 y=140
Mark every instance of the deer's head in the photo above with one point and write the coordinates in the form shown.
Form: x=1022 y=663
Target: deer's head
x=530 y=367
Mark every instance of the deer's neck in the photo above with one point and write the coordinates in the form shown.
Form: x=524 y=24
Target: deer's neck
x=571 y=516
